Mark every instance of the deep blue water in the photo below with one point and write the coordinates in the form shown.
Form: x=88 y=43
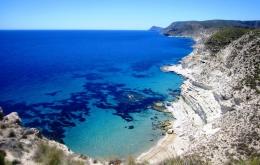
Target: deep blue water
x=92 y=90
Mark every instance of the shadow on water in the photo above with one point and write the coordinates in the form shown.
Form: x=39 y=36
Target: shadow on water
x=52 y=118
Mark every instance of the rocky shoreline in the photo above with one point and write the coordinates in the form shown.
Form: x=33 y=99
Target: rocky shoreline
x=217 y=115
x=215 y=120
x=19 y=145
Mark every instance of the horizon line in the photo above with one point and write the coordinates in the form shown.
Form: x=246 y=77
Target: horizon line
x=75 y=29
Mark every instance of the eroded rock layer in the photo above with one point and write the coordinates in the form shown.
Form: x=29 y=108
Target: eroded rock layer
x=218 y=113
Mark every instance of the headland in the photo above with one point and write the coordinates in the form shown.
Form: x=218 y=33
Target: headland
x=218 y=110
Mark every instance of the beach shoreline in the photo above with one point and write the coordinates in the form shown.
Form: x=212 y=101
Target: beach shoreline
x=186 y=119
x=163 y=150
x=171 y=145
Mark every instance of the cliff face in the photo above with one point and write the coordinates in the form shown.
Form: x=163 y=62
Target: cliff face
x=218 y=114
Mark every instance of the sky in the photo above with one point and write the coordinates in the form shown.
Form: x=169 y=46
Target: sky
x=119 y=14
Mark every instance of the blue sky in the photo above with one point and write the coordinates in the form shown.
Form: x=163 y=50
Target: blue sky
x=119 y=14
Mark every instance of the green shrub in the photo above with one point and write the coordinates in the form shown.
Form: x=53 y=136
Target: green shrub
x=11 y=134
x=49 y=155
x=16 y=162
x=225 y=36
x=54 y=158
x=249 y=161
x=3 y=126
x=2 y=159
x=188 y=160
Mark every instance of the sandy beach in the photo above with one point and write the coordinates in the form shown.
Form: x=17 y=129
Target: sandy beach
x=163 y=150
x=166 y=147
x=174 y=144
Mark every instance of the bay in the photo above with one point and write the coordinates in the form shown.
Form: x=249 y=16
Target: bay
x=91 y=90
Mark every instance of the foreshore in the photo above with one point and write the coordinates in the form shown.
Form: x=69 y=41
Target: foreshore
x=163 y=150
x=171 y=145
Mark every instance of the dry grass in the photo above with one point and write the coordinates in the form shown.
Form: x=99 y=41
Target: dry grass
x=189 y=160
x=49 y=155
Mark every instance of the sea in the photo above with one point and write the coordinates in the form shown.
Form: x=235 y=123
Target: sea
x=93 y=90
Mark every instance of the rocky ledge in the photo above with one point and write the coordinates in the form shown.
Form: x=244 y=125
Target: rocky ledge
x=19 y=145
x=218 y=112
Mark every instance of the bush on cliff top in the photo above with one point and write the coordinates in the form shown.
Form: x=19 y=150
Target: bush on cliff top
x=224 y=36
x=49 y=155
x=188 y=160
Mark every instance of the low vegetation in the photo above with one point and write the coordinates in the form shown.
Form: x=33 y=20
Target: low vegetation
x=250 y=161
x=194 y=160
x=188 y=160
x=224 y=37
x=48 y=155
x=253 y=64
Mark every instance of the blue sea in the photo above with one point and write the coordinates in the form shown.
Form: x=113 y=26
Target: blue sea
x=91 y=90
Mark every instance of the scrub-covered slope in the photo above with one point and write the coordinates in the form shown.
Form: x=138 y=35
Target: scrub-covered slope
x=219 y=109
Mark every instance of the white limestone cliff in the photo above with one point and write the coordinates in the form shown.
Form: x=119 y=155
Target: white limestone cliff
x=213 y=99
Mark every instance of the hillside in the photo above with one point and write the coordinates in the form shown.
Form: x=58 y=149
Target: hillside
x=156 y=28
x=219 y=110
x=197 y=28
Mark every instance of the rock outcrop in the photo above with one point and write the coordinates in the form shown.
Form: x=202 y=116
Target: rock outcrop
x=156 y=28
x=218 y=113
x=19 y=145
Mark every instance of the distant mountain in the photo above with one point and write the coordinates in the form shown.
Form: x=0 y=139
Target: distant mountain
x=186 y=28
x=156 y=28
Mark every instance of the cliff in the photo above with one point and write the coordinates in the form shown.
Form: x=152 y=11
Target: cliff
x=218 y=112
x=197 y=29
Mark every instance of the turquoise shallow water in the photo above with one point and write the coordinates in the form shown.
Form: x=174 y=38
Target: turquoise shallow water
x=75 y=86
x=106 y=134
x=111 y=136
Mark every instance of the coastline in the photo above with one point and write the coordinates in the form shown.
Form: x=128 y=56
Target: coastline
x=171 y=145
x=189 y=124
x=163 y=150
x=215 y=120
x=216 y=110
x=175 y=144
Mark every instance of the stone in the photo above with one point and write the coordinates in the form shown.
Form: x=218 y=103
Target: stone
x=158 y=104
x=36 y=132
x=170 y=131
x=13 y=118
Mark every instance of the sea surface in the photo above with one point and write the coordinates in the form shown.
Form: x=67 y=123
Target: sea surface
x=91 y=90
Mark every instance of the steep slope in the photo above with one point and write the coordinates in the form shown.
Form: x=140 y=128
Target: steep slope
x=218 y=114
x=19 y=145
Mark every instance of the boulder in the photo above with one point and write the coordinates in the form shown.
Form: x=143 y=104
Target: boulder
x=170 y=131
x=36 y=132
x=13 y=118
x=158 y=104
